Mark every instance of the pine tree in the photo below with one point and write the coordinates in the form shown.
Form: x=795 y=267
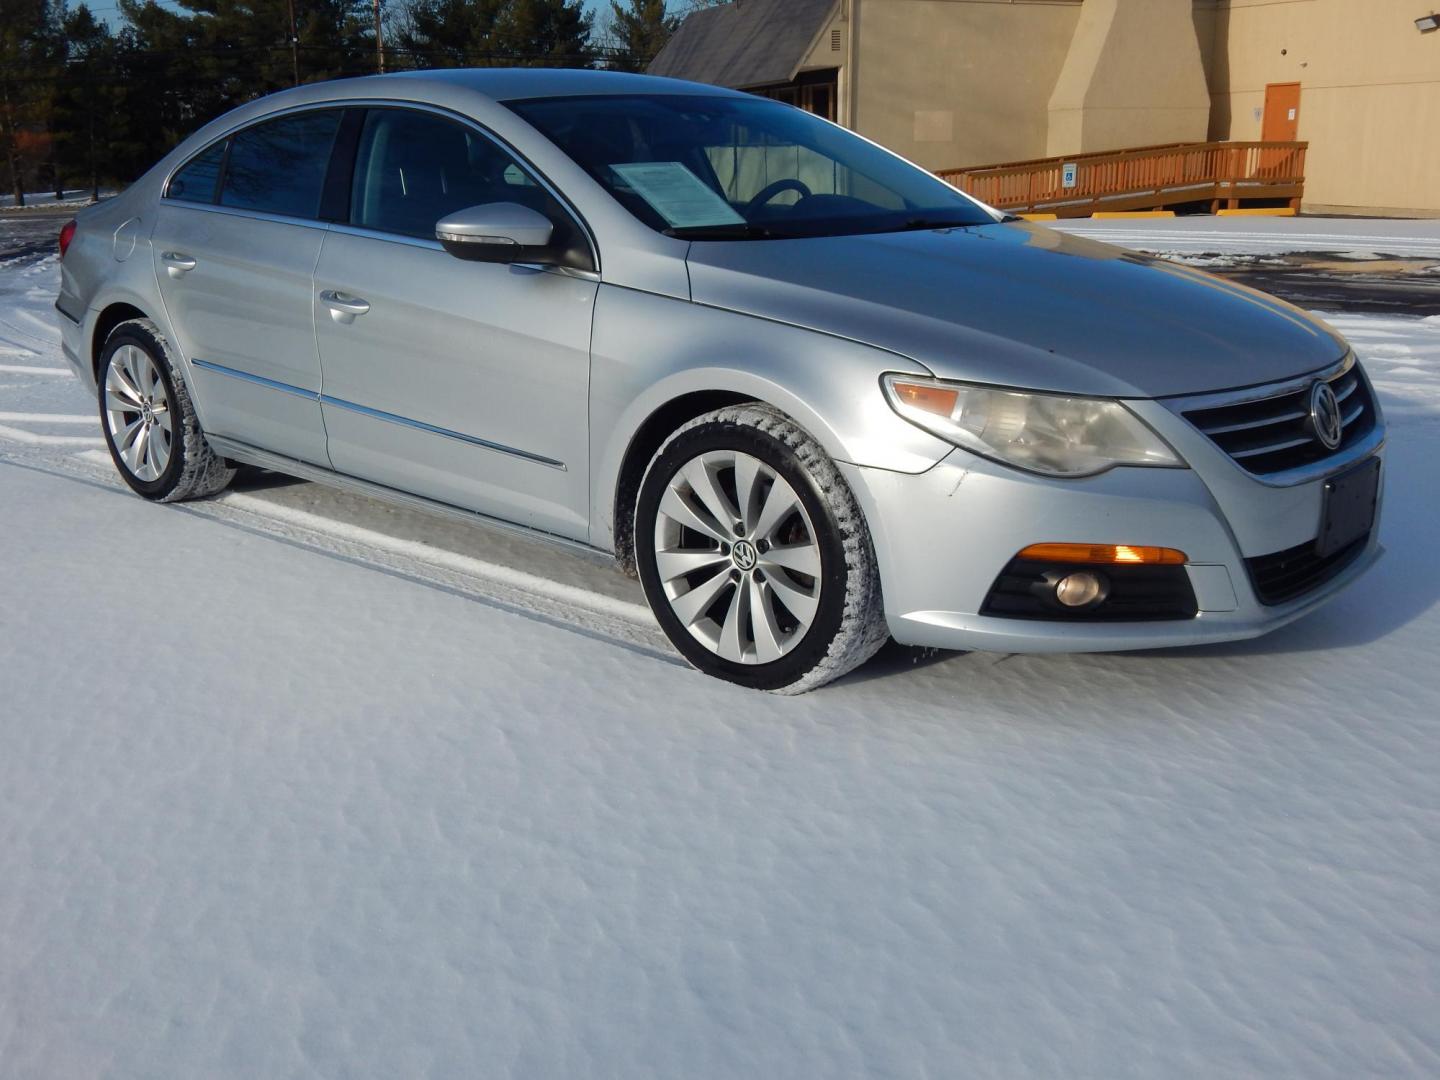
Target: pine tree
x=544 y=33
x=79 y=114
x=637 y=31
x=177 y=69
x=26 y=73
x=448 y=33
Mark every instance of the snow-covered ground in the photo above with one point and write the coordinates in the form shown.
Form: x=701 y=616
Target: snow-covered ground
x=1203 y=234
x=294 y=784
x=72 y=197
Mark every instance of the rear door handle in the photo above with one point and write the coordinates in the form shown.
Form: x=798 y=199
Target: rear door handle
x=343 y=308
x=177 y=263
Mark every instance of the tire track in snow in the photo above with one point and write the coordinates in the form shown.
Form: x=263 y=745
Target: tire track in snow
x=24 y=369
x=570 y=607
x=36 y=438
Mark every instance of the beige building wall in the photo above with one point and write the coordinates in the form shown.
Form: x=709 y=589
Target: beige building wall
x=1369 y=92
x=1133 y=76
x=948 y=83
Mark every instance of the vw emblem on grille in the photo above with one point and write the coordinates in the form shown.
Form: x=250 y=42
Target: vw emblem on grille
x=744 y=555
x=1325 y=415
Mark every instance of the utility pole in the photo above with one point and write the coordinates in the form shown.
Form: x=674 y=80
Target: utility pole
x=379 y=42
x=294 y=44
x=91 y=105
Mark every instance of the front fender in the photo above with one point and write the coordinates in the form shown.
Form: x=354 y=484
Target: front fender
x=649 y=350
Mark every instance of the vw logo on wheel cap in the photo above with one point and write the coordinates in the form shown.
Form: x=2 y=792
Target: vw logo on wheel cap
x=744 y=555
x=1325 y=415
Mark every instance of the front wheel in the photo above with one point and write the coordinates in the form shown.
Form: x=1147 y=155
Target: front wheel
x=754 y=555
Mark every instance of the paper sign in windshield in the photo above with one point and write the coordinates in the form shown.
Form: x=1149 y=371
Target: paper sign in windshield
x=677 y=194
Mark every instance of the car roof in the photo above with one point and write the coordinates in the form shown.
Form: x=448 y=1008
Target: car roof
x=511 y=84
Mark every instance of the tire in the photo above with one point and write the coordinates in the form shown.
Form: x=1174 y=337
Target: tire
x=754 y=555
x=149 y=421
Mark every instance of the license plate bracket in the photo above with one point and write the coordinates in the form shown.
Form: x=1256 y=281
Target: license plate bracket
x=1348 y=511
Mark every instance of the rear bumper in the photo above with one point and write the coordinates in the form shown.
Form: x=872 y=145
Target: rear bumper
x=942 y=537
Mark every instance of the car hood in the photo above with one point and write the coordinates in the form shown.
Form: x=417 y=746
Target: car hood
x=1020 y=305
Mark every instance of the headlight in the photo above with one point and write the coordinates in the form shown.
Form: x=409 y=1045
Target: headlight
x=1045 y=433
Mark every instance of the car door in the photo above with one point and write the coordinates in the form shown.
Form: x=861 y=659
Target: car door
x=462 y=381
x=235 y=245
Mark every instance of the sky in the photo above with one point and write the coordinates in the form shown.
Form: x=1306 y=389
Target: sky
x=109 y=10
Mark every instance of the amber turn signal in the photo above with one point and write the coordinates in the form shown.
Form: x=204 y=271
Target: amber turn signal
x=1104 y=554
x=933 y=399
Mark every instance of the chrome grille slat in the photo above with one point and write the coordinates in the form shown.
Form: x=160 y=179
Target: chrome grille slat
x=1272 y=448
x=1226 y=429
x=1271 y=433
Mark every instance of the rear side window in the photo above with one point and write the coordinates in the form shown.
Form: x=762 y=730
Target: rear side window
x=279 y=167
x=196 y=181
x=412 y=169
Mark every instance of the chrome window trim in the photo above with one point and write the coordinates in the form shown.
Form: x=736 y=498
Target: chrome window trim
x=385 y=237
x=435 y=245
x=378 y=414
x=253 y=215
x=342 y=226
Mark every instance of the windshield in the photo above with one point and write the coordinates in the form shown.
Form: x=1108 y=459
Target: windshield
x=709 y=167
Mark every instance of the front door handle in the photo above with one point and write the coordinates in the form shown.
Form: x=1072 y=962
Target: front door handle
x=177 y=263
x=343 y=308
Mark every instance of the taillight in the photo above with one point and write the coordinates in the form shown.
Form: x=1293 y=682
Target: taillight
x=66 y=235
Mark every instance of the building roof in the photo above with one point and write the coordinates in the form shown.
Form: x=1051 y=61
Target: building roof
x=744 y=43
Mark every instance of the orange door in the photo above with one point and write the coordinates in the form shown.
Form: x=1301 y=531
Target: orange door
x=1282 y=113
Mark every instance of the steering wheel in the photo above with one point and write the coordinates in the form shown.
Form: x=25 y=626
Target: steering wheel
x=769 y=191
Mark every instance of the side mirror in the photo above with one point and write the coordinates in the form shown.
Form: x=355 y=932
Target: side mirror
x=498 y=233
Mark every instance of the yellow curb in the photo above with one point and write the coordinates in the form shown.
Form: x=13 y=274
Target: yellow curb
x=1039 y=217
x=1132 y=213
x=1262 y=211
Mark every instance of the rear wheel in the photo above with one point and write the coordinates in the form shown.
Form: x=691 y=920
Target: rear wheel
x=754 y=555
x=150 y=425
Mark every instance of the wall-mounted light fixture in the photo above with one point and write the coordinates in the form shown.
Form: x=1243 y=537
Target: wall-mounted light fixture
x=1426 y=23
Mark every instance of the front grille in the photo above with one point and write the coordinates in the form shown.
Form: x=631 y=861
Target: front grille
x=1272 y=434
x=1137 y=593
x=1287 y=574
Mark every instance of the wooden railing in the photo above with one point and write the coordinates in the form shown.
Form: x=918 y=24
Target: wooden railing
x=1142 y=178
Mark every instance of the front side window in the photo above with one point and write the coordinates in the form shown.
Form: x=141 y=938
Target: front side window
x=279 y=166
x=196 y=181
x=412 y=169
x=715 y=167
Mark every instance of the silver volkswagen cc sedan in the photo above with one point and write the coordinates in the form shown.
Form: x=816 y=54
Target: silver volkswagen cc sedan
x=811 y=395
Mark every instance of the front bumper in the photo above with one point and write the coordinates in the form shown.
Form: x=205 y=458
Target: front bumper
x=943 y=536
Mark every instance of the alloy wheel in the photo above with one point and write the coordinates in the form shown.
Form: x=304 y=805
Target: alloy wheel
x=737 y=556
x=137 y=412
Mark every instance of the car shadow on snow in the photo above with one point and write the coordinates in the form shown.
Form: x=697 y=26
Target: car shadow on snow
x=254 y=478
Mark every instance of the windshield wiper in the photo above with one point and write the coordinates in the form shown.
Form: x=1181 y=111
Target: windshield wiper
x=730 y=231
x=919 y=224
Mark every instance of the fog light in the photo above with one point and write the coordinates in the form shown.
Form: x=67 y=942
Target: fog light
x=1080 y=589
